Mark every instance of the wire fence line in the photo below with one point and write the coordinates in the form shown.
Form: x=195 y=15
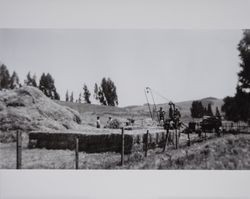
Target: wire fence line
x=226 y=129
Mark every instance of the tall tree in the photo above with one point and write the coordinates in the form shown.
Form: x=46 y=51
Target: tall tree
x=86 y=94
x=209 y=110
x=72 y=97
x=14 y=81
x=67 y=96
x=238 y=107
x=47 y=86
x=30 y=81
x=4 y=77
x=96 y=90
x=80 y=98
x=109 y=91
x=101 y=96
x=217 y=112
x=197 y=109
x=230 y=108
x=244 y=74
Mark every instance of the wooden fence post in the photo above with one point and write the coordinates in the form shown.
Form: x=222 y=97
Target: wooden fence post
x=18 y=150
x=146 y=144
x=122 y=147
x=76 y=153
x=189 y=141
x=176 y=138
x=165 y=140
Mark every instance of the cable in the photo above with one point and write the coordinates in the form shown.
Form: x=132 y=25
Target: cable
x=160 y=95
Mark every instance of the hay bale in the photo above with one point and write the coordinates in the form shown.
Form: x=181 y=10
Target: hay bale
x=90 y=143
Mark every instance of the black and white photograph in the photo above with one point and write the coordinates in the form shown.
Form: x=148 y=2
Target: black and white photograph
x=125 y=99
x=128 y=99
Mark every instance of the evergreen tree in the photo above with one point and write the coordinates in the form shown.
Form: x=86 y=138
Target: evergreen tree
x=197 y=110
x=56 y=96
x=47 y=86
x=205 y=111
x=30 y=81
x=109 y=91
x=4 y=77
x=238 y=107
x=217 y=112
x=86 y=94
x=72 y=97
x=80 y=98
x=96 y=90
x=14 y=81
x=67 y=96
x=230 y=108
x=101 y=96
x=209 y=110
x=244 y=74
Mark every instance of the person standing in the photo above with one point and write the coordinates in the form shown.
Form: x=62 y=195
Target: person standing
x=109 y=122
x=98 y=123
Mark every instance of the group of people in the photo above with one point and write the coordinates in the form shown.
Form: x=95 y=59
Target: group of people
x=174 y=117
x=98 y=122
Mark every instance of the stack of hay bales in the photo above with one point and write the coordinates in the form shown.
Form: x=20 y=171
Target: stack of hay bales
x=28 y=109
x=90 y=143
x=95 y=143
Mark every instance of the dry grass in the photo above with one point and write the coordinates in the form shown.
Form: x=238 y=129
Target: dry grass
x=228 y=152
x=55 y=159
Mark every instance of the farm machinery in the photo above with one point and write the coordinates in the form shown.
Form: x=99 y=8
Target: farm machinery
x=173 y=124
x=170 y=123
x=208 y=124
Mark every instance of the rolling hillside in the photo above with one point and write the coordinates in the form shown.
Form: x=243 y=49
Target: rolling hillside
x=90 y=111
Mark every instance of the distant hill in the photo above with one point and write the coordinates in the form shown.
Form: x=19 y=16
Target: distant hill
x=90 y=111
x=184 y=106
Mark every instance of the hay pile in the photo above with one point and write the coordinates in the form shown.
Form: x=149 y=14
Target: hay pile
x=114 y=124
x=28 y=109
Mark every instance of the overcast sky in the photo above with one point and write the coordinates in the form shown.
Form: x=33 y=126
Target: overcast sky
x=179 y=64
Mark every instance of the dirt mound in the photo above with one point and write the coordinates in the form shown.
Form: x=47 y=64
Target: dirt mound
x=28 y=109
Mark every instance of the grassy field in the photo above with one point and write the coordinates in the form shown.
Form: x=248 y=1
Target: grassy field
x=228 y=152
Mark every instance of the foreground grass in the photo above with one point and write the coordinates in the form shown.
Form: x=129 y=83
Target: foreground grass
x=55 y=159
x=227 y=152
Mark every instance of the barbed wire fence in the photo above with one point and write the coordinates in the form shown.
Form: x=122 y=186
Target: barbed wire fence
x=227 y=128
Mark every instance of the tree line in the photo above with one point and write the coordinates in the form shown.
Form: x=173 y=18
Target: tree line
x=198 y=110
x=46 y=83
x=105 y=93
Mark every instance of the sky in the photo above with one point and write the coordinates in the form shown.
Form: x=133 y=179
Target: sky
x=178 y=64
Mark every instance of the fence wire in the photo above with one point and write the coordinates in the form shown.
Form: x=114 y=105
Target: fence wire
x=110 y=153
